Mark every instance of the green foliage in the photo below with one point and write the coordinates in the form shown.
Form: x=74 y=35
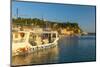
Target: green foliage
x=50 y=24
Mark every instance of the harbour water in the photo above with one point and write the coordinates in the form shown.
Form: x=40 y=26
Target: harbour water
x=69 y=49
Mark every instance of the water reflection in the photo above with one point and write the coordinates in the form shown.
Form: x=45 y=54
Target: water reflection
x=76 y=49
x=40 y=57
x=69 y=49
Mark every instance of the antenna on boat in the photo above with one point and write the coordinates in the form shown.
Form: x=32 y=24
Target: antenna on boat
x=42 y=18
x=17 y=12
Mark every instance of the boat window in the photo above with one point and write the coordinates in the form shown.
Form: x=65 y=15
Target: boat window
x=19 y=37
x=22 y=35
x=54 y=36
x=32 y=38
x=16 y=35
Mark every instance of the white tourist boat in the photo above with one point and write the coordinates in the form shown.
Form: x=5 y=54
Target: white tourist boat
x=24 y=42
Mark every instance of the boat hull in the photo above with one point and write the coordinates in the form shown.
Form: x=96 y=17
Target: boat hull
x=24 y=51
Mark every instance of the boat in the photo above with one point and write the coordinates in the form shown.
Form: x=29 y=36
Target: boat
x=25 y=42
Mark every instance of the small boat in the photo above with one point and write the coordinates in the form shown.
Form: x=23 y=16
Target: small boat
x=24 y=42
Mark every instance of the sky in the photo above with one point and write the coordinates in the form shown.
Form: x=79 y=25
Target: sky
x=83 y=15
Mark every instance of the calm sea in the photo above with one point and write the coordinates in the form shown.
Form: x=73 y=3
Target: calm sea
x=69 y=49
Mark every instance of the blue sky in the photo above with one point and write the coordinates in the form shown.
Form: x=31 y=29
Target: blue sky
x=83 y=15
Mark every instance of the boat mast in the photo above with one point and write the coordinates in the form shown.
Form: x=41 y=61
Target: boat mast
x=17 y=12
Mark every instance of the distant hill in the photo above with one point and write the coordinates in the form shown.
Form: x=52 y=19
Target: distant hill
x=58 y=26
